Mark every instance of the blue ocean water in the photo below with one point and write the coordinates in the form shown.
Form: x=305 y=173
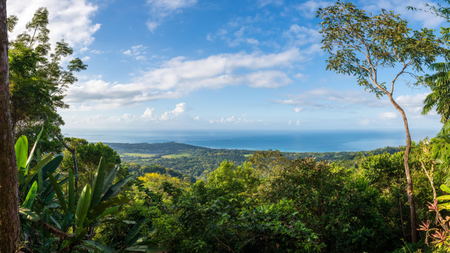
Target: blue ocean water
x=288 y=141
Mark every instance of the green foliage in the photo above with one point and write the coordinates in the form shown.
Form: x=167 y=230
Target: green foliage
x=38 y=81
x=234 y=180
x=360 y=45
x=40 y=205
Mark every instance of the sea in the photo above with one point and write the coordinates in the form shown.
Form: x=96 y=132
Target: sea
x=285 y=141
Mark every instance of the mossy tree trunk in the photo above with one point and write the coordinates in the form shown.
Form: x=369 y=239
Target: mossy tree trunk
x=9 y=203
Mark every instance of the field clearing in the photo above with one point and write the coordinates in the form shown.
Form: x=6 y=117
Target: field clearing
x=248 y=155
x=140 y=155
x=176 y=156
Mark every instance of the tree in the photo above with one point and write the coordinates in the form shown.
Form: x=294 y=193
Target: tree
x=38 y=81
x=362 y=45
x=88 y=155
x=9 y=209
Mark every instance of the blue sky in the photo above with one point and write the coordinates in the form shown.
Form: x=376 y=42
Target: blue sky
x=202 y=64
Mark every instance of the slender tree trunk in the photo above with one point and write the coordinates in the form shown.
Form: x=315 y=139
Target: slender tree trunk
x=400 y=208
x=409 y=183
x=9 y=200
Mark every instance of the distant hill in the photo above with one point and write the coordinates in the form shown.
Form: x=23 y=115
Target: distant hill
x=195 y=161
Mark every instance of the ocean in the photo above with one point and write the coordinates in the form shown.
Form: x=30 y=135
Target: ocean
x=287 y=141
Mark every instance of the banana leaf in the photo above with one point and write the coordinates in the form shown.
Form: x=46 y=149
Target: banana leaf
x=97 y=185
x=59 y=193
x=34 y=147
x=29 y=200
x=21 y=149
x=109 y=179
x=36 y=169
x=83 y=206
x=102 y=206
x=114 y=190
x=79 y=234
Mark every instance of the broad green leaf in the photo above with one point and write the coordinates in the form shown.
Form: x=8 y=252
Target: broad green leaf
x=29 y=200
x=46 y=218
x=79 y=234
x=133 y=232
x=97 y=186
x=71 y=192
x=36 y=169
x=21 y=149
x=114 y=190
x=109 y=179
x=59 y=193
x=51 y=166
x=34 y=147
x=108 y=211
x=83 y=206
x=21 y=175
x=443 y=197
x=55 y=222
x=102 y=206
x=445 y=188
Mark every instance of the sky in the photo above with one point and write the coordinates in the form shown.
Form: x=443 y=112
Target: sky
x=230 y=64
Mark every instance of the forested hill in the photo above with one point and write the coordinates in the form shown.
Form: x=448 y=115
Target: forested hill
x=195 y=160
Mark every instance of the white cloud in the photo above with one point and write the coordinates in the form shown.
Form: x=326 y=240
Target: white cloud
x=162 y=9
x=263 y=3
x=231 y=119
x=399 y=7
x=308 y=9
x=297 y=123
x=388 y=115
x=149 y=114
x=69 y=20
x=137 y=52
x=141 y=58
x=179 y=76
x=364 y=122
x=298 y=109
x=179 y=110
x=333 y=99
x=300 y=35
x=86 y=58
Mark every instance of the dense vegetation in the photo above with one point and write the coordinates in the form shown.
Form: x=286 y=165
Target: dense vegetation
x=199 y=161
x=174 y=197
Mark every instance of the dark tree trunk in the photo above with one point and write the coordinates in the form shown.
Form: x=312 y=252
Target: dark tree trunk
x=9 y=203
x=409 y=183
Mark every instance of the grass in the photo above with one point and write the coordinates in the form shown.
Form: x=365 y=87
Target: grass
x=176 y=156
x=140 y=155
x=248 y=155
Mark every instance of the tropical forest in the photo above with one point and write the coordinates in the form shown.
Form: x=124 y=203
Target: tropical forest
x=62 y=193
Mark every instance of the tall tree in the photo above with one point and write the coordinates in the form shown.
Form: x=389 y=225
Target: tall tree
x=38 y=81
x=9 y=208
x=364 y=45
